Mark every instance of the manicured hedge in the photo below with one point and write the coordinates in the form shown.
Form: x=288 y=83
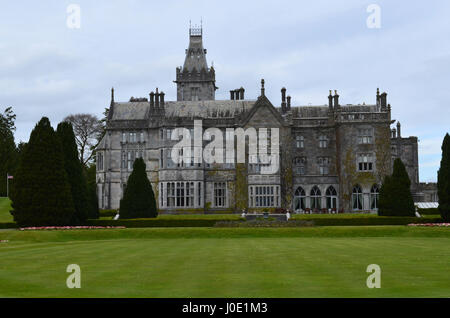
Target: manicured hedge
x=429 y=211
x=8 y=225
x=380 y=220
x=104 y=213
x=130 y=223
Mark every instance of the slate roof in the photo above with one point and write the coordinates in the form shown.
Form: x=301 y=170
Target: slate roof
x=184 y=109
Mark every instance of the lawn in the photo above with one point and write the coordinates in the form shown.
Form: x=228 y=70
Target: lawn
x=223 y=262
x=5 y=207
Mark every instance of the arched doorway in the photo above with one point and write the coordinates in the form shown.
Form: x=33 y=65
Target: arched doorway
x=316 y=198
x=374 y=196
x=299 y=199
x=331 y=195
x=357 y=198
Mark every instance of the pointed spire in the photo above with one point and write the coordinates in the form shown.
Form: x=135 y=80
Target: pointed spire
x=112 y=95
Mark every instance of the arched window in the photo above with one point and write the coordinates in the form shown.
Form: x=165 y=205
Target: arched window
x=299 y=199
x=374 y=194
x=357 y=198
x=331 y=195
x=316 y=197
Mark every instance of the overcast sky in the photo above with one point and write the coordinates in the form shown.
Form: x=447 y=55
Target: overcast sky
x=49 y=69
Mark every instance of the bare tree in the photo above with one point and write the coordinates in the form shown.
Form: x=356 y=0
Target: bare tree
x=88 y=130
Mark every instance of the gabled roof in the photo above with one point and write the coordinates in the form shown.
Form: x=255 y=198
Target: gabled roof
x=263 y=101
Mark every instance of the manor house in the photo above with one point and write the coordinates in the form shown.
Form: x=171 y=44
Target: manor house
x=333 y=157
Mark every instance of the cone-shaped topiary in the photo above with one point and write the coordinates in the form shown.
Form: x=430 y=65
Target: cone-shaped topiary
x=444 y=180
x=395 y=193
x=92 y=192
x=138 y=200
x=41 y=192
x=74 y=170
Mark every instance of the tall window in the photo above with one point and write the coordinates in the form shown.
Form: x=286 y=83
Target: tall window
x=195 y=93
x=124 y=137
x=299 y=199
x=331 y=195
x=323 y=163
x=374 y=194
x=357 y=198
x=220 y=194
x=124 y=159
x=323 y=141
x=365 y=135
x=99 y=160
x=365 y=162
x=300 y=165
x=316 y=197
x=169 y=133
x=180 y=194
x=299 y=141
x=265 y=196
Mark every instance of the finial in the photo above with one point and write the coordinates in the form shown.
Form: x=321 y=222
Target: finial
x=378 y=91
x=335 y=92
x=330 y=92
x=262 y=87
x=112 y=95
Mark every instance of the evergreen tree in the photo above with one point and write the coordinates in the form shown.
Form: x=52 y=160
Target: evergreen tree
x=41 y=192
x=74 y=170
x=386 y=197
x=8 y=152
x=90 y=173
x=444 y=180
x=138 y=200
x=395 y=193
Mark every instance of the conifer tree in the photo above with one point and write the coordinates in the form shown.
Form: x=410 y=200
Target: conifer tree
x=138 y=200
x=395 y=194
x=92 y=192
x=41 y=192
x=444 y=180
x=74 y=170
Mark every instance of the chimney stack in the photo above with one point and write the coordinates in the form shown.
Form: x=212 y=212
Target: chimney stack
x=330 y=100
x=157 y=98
x=336 y=99
x=399 y=135
x=152 y=100
x=283 y=99
x=378 y=97
x=383 y=100
x=161 y=95
x=232 y=95
x=241 y=93
x=288 y=103
x=236 y=94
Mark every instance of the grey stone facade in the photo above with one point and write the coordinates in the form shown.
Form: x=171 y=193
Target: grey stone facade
x=332 y=157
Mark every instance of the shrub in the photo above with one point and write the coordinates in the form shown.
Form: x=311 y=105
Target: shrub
x=138 y=200
x=74 y=170
x=41 y=192
x=444 y=180
x=106 y=213
x=395 y=193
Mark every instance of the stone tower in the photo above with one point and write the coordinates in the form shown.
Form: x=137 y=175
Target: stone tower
x=195 y=81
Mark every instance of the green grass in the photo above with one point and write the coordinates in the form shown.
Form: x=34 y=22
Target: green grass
x=5 y=207
x=224 y=262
